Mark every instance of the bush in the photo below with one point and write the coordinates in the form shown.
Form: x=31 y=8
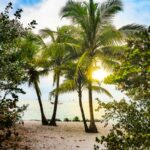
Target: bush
x=12 y=72
x=132 y=127
x=76 y=118
x=10 y=113
x=132 y=117
x=67 y=120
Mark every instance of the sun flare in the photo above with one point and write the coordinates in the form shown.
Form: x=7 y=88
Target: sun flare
x=99 y=74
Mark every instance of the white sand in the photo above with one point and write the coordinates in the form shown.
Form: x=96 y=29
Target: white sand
x=66 y=136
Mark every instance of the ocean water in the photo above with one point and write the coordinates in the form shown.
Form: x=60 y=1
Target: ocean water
x=66 y=109
x=68 y=103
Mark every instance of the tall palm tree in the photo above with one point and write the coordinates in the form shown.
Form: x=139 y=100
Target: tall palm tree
x=58 y=53
x=30 y=47
x=95 y=21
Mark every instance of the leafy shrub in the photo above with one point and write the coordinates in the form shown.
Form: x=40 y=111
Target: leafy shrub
x=67 y=120
x=10 y=113
x=132 y=117
x=132 y=129
x=12 y=73
x=76 y=118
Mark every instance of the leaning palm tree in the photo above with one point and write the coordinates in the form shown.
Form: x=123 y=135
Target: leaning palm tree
x=95 y=21
x=58 y=53
x=30 y=47
x=34 y=75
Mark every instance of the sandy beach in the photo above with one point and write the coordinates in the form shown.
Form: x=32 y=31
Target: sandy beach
x=66 y=136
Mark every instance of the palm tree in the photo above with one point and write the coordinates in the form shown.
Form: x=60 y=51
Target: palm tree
x=73 y=82
x=58 y=53
x=95 y=21
x=30 y=47
x=77 y=81
x=34 y=74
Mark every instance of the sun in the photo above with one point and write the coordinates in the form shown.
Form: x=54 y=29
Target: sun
x=99 y=74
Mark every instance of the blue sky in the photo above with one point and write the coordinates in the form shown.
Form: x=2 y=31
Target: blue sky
x=135 y=11
x=46 y=13
x=29 y=2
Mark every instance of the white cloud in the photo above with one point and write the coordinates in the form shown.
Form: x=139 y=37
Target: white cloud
x=46 y=13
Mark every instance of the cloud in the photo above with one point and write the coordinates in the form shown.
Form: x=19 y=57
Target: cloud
x=135 y=11
x=46 y=13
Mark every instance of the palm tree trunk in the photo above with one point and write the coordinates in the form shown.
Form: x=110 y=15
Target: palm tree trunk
x=53 y=119
x=92 y=127
x=43 y=118
x=81 y=107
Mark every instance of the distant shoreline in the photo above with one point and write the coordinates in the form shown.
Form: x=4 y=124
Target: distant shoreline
x=58 y=120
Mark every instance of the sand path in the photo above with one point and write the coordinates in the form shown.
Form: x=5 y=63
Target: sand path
x=66 y=136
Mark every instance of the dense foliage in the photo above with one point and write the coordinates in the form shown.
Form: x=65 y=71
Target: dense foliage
x=12 y=72
x=132 y=130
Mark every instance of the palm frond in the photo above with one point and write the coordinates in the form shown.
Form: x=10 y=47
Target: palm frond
x=66 y=86
x=100 y=89
x=109 y=35
x=108 y=9
x=113 y=52
x=77 y=12
x=47 y=33
x=44 y=72
x=83 y=63
x=131 y=29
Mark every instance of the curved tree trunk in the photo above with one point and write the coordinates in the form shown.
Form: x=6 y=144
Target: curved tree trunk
x=43 y=118
x=92 y=127
x=81 y=107
x=53 y=119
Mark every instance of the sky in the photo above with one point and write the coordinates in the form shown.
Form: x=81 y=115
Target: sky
x=47 y=14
